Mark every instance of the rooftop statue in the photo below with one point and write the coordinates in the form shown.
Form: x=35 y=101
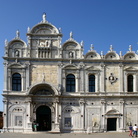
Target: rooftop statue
x=82 y=43
x=120 y=53
x=44 y=17
x=130 y=48
x=71 y=35
x=6 y=42
x=28 y=29
x=60 y=30
x=111 y=48
x=92 y=47
x=17 y=34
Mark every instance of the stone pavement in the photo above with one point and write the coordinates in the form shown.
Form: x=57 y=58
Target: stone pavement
x=65 y=135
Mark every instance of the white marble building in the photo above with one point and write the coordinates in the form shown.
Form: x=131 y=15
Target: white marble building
x=56 y=86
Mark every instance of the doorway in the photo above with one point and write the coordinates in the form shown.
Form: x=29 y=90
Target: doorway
x=43 y=118
x=111 y=124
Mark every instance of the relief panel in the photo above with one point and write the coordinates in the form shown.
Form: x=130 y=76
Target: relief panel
x=41 y=73
x=112 y=79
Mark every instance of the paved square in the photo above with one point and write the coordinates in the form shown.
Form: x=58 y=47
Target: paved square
x=65 y=135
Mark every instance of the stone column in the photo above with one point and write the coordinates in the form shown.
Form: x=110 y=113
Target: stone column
x=9 y=80
x=102 y=80
x=5 y=76
x=135 y=83
x=50 y=54
x=125 y=82
x=82 y=80
x=77 y=84
x=27 y=81
x=56 y=115
x=60 y=83
x=82 y=105
x=28 y=109
x=23 y=81
x=121 y=76
x=121 y=118
x=86 y=82
x=5 y=115
x=27 y=118
x=97 y=82
x=64 y=80
x=103 y=102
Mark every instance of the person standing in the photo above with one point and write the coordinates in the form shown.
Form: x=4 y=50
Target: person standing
x=135 y=130
x=130 y=130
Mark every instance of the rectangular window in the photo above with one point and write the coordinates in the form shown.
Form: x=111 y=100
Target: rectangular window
x=67 y=122
x=18 y=120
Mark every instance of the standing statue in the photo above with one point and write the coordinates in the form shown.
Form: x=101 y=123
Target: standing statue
x=111 y=48
x=6 y=42
x=44 y=17
x=60 y=30
x=17 y=34
x=17 y=53
x=120 y=53
x=28 y=30
x=92 y=47
x=70 y=54
x=130 y=48
x=71 y=35
x=82 y=43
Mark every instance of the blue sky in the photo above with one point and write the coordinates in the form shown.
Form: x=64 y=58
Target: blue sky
x=98 y=22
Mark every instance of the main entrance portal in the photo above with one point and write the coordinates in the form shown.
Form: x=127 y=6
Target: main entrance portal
x=111 y=124
x=43 y=118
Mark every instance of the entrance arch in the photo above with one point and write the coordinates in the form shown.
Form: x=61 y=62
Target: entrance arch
x=43 y=118
x=112 y=117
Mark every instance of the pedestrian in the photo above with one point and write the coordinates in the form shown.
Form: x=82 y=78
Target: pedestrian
x=35 y=126
x=130 y=131
x=135 y=130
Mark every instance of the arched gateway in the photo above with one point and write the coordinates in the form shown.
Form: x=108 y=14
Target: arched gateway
x=44 y=103
x=43 y=118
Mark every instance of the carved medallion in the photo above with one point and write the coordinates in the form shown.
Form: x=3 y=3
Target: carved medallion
x=112 y=78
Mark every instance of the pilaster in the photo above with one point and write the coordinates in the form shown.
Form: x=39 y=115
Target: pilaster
x=102 y=80
x=121 y=78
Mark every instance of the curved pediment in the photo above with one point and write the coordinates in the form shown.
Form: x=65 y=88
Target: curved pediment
x=92 y=55
x=130 y=56
x=43 y=89
x=17 y=43
x=71 y=45
x=44 y=28
x=113 y=112
x=71 y=109
x=111 y=55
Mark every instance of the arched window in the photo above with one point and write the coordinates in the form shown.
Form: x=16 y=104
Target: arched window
x=70 y=83
x=92 y=83
x=130 y=83
x=16 y=82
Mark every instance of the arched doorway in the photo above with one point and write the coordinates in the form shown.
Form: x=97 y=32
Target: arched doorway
x=113 y=117
x=43 y=118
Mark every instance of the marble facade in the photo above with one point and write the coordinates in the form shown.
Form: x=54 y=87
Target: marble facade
x=35 y=85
